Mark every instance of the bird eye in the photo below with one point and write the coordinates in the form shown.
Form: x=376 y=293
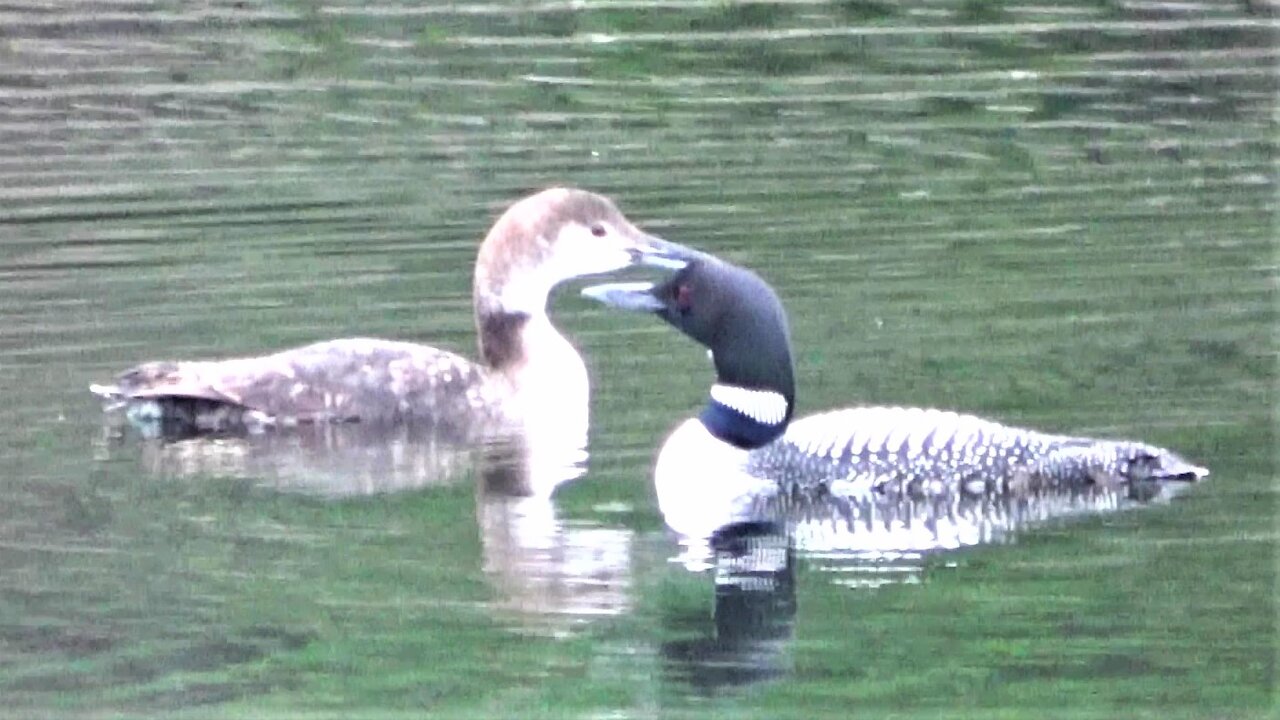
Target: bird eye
x=598 y=230
x=683 y=297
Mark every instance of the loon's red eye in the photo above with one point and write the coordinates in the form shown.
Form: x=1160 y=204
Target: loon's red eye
x=684 y=297
x=598 y=230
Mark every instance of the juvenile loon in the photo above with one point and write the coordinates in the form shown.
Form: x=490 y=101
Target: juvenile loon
x=528 y=368
x=743 y=453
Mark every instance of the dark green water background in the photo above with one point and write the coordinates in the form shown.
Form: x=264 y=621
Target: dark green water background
x=1058 y=215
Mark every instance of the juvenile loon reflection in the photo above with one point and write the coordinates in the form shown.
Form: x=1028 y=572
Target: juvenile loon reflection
x=549 y=572
x=546 y=574
x=359 y=458
x=859 y=479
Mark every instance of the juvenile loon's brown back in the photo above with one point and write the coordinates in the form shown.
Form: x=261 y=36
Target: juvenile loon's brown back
x=527 y=368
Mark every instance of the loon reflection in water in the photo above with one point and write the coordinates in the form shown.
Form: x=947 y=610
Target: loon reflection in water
x=863 y=479
x=753 y=615
x=546 y=573
x=370 y=416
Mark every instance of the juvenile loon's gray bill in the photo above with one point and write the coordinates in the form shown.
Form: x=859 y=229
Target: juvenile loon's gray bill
x=635 y=296
x=666 y=254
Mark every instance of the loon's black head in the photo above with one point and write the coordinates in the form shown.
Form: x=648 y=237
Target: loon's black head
x=740 y=319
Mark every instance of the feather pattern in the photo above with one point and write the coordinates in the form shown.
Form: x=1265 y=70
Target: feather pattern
x=920 y=450
x=763 y=406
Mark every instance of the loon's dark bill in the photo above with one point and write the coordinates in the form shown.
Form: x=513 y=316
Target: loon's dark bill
x=634 y=296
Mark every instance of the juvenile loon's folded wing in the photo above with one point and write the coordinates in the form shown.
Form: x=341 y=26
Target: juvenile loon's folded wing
x=334 y=381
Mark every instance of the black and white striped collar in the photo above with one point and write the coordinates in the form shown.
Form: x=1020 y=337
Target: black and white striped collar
x=745 y=417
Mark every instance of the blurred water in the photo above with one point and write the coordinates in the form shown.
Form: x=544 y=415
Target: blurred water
x=1059 y=216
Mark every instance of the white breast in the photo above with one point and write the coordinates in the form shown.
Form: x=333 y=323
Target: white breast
x=702 y=482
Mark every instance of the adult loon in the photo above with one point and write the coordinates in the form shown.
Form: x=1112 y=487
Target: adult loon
x=528 y=370
x=743 y=454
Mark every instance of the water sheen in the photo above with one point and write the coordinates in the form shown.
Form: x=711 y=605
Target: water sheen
x=1058 y=216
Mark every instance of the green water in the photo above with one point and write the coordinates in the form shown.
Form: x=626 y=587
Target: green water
x=1059 y=216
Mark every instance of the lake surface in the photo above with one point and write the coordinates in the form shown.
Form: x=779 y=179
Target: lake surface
x=1059 y=216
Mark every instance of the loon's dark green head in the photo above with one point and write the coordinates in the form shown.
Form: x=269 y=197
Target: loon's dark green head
x=736 y=315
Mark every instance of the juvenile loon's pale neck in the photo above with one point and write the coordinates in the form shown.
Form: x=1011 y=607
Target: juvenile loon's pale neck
x=544 y=385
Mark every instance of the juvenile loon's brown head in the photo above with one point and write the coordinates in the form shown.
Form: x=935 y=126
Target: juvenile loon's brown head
x=537 y=243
